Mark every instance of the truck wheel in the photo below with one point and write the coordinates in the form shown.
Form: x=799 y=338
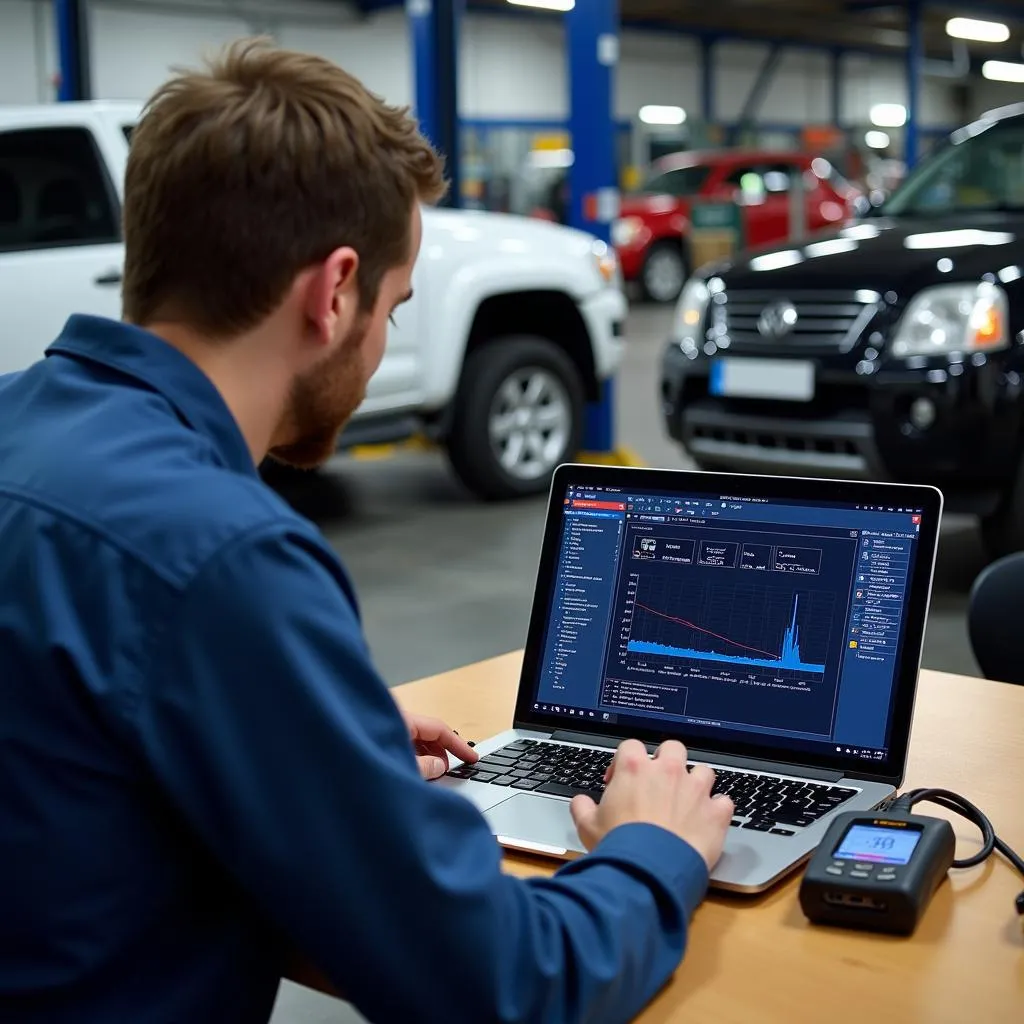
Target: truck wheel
x=664 y=272
x=518 y=414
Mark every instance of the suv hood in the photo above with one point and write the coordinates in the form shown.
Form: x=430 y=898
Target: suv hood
x=499 y=232
x=885 y=254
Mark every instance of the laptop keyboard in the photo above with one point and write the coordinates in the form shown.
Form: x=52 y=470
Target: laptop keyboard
x=764 y=803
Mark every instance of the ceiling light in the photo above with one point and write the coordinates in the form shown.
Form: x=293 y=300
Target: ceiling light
x=546 y=5
x=977 y=31
x=877 y=140
x=1003 y=71
x=889 y=115
x=548 y=158
x=662 y=115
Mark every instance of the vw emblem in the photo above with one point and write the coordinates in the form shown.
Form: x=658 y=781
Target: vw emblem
x=777 y=320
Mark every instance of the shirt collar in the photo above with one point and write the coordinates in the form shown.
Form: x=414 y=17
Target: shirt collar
x=151 y=361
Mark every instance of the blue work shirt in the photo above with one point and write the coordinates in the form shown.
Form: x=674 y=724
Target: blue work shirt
x=200 y=770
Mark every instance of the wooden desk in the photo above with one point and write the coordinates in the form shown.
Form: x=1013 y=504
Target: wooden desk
x=756 y=960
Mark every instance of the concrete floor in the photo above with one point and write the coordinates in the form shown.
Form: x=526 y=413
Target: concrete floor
x=445 y=580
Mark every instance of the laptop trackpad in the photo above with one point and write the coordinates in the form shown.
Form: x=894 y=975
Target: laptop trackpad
x=535 y=823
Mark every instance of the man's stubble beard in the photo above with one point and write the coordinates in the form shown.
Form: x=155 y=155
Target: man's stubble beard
x=322 y=401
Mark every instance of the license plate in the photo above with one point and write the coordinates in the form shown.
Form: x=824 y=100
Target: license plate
x=789 y=380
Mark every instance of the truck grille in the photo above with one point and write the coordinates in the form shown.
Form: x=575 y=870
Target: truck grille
x=825 y=321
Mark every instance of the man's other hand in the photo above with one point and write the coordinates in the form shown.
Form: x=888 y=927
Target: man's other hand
x=657 y=791
x=433 y=741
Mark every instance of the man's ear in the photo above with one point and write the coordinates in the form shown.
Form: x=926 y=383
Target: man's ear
x=332 y=296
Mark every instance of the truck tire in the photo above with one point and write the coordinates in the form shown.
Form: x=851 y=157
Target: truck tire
x=518 y=414
x=664 y=272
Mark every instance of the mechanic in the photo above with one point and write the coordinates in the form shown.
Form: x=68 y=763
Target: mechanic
x=200 y=771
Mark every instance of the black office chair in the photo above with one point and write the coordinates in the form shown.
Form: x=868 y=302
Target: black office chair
x=995 y=619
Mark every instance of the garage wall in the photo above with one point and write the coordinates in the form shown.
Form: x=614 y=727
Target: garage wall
x=989 y=95
x=510 y=67
x=27 y=51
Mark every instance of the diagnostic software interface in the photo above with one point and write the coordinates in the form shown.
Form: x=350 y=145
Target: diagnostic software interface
x=770 y=621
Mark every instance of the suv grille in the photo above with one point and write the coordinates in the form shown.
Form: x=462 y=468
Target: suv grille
x=825 y=321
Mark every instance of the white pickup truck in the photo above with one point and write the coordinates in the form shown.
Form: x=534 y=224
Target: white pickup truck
x=514 y=326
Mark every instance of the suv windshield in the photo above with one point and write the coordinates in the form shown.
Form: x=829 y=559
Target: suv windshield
x=973 y=175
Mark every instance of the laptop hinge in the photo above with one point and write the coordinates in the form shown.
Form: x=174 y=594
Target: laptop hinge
x=729 y=760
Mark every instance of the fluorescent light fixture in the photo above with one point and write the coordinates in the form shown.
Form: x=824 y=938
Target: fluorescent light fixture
x=1010 y=274
x=551 y=158
x=1003 y=71
x=546 y=5
x=653 y=114
x=957 y=239
x=889 y=115
x=977 y=31
x=876 y=139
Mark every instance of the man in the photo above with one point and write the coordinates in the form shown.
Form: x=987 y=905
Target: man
x=200 y=772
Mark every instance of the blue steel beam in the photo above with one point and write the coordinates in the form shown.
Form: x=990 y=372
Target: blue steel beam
x=434 y=29
x=707 y=79
x=592 y=40
x=69 y=18
x=836 y=88
x=915 y=72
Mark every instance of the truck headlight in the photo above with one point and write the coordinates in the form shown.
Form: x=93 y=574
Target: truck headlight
x=626 y=231
x=691 y=309
x=606 y=261
x=953 y=318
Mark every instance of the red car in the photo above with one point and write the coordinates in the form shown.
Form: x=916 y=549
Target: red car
x=651 y=233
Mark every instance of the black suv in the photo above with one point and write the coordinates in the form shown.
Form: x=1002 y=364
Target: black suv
x=892 y=349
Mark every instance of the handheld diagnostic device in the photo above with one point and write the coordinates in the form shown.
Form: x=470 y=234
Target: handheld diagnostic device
x=877 y=870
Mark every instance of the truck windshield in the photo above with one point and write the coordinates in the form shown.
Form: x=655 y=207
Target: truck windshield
x=969 y=175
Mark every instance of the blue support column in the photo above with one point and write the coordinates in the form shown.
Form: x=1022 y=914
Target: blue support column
x=836 y=88
x=915 y=72
x=69 y=17
x=434 y=29
x=592 y=38
x=707 y=79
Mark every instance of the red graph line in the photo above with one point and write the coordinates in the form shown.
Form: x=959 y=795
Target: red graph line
x=701 y=629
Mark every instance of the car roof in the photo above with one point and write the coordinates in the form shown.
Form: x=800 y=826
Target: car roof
x=45 y=112
x=714 y=157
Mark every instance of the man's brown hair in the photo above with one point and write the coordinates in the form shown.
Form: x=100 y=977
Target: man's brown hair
x=242 y=176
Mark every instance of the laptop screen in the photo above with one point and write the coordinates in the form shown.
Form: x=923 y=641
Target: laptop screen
x=765 y=622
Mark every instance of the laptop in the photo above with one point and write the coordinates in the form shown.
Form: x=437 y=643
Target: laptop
x=774 y=625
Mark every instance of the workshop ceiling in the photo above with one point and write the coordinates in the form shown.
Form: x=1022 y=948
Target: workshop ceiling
x=852 y=24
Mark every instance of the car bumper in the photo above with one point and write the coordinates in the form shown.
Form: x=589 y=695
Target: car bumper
x=859 y=427
x=631 y=260
x=604 y=313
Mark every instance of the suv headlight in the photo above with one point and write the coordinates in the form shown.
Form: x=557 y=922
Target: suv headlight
x=606 y=262
x=626 y=231
x=953 y=318
x=691 y=309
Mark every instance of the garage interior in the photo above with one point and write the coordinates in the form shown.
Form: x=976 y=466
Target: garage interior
x=444 y=578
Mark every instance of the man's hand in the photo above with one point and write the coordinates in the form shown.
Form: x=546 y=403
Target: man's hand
x=433 y=741
x=657 y=792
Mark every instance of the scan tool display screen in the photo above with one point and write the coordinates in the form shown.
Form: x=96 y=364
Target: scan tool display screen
x=878 y=844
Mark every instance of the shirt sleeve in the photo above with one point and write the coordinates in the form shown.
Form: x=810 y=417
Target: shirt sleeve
x=268 y=727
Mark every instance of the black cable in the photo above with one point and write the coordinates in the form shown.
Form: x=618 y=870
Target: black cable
x=958 y=804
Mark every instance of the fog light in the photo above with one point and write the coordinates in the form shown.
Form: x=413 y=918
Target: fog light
x=922 y=413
